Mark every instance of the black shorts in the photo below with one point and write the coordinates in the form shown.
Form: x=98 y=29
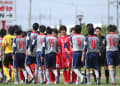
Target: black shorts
x=8 y=60
x=0 y=64
x=102 y=60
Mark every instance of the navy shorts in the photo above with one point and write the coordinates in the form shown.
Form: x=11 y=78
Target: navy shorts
x=38 y=59
x=76 y=59
x=19 y=60
x=91 y=60
x=112 y=58
x=30 y=60
x=50 y=60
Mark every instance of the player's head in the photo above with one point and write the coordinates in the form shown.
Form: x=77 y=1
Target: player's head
x=54 y=32
x=72 y=31
x=78 y=29
x=63 y=30
x=18 y=31
x=98 y=31
x=112 y=28
x=11 y=30
x=2 y=33
x=90 y=29
x=15 y=27
x=35 y=26
x=24 y=34
x=42 y=28
x=48 y=30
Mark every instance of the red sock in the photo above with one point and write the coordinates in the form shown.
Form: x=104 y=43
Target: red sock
x=74 y=76
x=68 y=76
x=64 y=74
x=59 y=73
x=21 y=75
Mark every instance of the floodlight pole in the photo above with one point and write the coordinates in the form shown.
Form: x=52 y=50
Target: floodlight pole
x=117 y=13
x=29 y=20
x=108 y=12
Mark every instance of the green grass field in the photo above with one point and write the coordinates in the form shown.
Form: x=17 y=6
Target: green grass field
x=103 y=81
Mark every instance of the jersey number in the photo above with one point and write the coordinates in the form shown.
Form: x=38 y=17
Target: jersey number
x=93 y=44
x=79 y=41
x=21 y=44
x=112 y=42
x=51 y=42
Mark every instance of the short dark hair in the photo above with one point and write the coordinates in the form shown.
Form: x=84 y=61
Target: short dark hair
x=49 y=30
x=2 y=32
x=78 y=29
x=18 y=31
x=55 y=30
x=63 y=27
x=11 y=30
x=98 y=28
x=72 y=29
x=111 y=28
x=35 y=26
x=42 y=28
x=90 y=29
x=24 y=34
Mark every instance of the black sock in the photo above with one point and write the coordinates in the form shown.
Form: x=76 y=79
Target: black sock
x=94 y=76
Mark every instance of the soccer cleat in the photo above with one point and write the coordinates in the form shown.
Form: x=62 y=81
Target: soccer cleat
x=77 y=82
x=48 y=83
x=88 y=83
x=82 y=79
x=30 y=81
x=8 y=80
x=113 y=83
x=21 y=82
x=16 y=82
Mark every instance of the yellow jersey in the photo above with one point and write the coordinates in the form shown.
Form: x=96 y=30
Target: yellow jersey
x=7 y=43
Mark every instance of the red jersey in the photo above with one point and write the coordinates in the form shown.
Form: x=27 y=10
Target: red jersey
x=61 y=42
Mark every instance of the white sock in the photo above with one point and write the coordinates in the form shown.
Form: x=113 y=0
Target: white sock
x=29 y=71
x=1 y=76
x=41 y=75
x=78 y=78
x=112 y=74
x=16 y=76
x=44 y=75
x=78 y=72
x=25 y=74
x=47 y=75
x=55 y=72
x=88 y=76
x=97 y=74
x=36 y=73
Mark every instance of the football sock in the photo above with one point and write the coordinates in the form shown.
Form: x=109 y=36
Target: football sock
x=6 y=72
x=29 y=71
x=88 y=76
x=68 y=76
x=64 y=75
x=47 y=76
x=21 y=75
x=78 y=72
x=16 y=76
x=41 y=75
x=25 y=74
x=1 y=76
x=112 y=74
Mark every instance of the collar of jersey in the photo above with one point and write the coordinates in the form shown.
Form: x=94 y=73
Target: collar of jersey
x=19 y=37
x=34 y=32
x=91 y=35
x=112 y=33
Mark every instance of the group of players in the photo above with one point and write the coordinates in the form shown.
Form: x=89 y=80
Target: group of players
x=44 y=51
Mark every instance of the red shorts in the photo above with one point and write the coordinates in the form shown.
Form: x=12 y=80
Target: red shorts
x=58 y=60
x=66 y=62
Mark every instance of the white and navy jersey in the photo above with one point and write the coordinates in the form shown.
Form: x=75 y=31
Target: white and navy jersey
x=50 y=45
x=91 y=43
x=19 y=45
x=29 y=40
x=111 y=42
x=38 y=41
x=77 y=42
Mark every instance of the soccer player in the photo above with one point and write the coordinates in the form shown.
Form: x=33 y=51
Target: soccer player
x=91 y=47
x=49 y=50
x=77 y=43
x=37 y=42
x=7 y=47
x=2 y=33
x=65 y=62
x=102 y=60
x=111 y=42
x=31 y=56
x=19 y=48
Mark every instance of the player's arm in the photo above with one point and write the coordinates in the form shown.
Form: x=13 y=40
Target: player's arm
x=84 y=49
x=43 y=47
x=66 y=44
x=34 y=43
x=14 y=47
x=27 y=41
x=3 y=45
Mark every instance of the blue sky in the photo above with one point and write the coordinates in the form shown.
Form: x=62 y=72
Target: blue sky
x=51 y=12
